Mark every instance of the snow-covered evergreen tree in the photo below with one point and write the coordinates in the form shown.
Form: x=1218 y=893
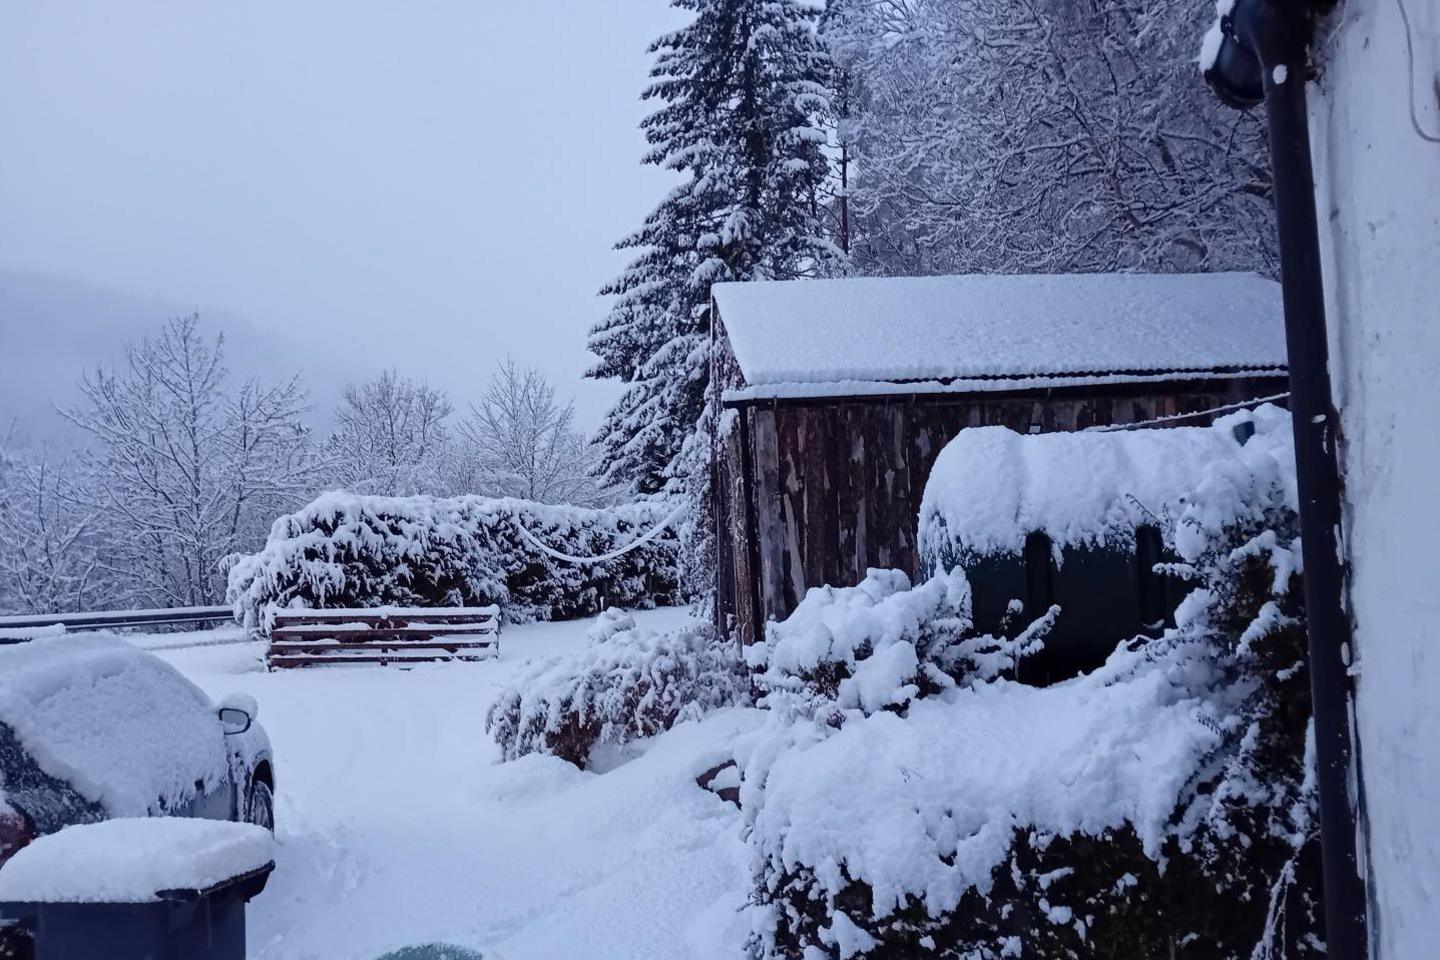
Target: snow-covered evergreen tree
x=743 y=97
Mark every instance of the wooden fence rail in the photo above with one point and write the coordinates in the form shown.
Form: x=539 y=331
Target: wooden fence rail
x=384 y=635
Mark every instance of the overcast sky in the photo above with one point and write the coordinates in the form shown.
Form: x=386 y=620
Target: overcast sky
x=429 y=185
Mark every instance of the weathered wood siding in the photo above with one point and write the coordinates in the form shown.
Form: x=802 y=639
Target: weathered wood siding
x=732 y=484
x=834 y=486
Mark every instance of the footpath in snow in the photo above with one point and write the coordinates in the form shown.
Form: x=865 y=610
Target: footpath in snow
x=397 y=826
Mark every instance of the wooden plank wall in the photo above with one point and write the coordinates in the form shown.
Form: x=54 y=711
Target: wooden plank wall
x=835 y=487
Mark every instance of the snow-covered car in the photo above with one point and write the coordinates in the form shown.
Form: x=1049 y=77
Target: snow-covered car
x=92 y=728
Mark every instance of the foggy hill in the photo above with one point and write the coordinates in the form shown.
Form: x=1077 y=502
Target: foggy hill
x=53 y=329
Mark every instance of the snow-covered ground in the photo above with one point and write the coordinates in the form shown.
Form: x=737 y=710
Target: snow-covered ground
x=397 y=826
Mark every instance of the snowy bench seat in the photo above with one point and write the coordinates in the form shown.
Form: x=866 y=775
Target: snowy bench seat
x=303 y=638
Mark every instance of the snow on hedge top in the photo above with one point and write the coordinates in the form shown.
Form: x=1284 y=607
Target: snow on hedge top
x=991 y=487
x=131 y=860
x=121 y=726
x=946 y=785
x=937 y=328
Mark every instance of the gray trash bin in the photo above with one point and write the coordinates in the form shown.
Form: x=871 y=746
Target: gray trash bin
x=204 y=924
x=143 y=889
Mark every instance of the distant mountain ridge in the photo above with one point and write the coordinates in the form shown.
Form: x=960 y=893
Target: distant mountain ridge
x=54 y=328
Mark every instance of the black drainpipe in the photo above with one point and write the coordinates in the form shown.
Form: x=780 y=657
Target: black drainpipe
x=1263 y=56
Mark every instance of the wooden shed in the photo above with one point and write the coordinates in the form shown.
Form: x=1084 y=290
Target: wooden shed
x=839 y=394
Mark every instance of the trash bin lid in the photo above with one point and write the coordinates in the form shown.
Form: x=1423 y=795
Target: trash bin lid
x=135 y=860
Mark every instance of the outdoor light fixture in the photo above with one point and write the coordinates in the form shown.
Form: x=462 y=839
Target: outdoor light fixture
x=1234 y=72
x=1258 y=52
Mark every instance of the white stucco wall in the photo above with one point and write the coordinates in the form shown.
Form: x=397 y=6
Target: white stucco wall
x=1378 y=187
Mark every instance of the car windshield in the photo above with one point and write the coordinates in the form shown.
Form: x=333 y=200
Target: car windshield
x=48 y=801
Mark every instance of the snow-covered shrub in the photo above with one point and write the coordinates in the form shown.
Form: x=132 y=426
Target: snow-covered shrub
x=879 y=645
x=611 y=621
x=1161 y=806
x=626 y=684
x=344 y=550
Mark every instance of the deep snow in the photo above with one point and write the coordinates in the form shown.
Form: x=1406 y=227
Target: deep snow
x=396 y=825
x=1081 y=757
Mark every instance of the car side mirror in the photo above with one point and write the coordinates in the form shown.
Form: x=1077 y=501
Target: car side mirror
x=234 y=720
x=237 y=712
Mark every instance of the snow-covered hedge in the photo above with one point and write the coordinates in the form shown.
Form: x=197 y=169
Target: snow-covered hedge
x=626 y=684
x=345 y=550
x=1160 y=806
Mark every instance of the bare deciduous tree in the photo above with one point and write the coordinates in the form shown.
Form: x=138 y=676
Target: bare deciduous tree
x=391 y=437
x=524 y=444
x=186 y=471
x=48 y=554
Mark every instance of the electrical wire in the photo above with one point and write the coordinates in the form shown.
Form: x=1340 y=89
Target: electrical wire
x=1186 y=416
x=644 y=538
x=1410 y=61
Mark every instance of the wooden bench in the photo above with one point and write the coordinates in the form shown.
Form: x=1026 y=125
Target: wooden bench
x=308 y=638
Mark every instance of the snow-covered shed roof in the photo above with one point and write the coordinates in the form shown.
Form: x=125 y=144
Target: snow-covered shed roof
x=863 y=335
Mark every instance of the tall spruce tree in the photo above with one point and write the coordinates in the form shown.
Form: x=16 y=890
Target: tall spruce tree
x=743 y=93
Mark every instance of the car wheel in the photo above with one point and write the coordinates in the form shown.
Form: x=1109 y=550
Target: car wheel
x=260 y=810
